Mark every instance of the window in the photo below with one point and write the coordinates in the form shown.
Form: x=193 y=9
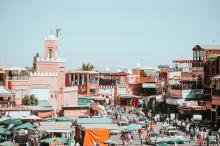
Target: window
x=50 y=53
x=93 y=91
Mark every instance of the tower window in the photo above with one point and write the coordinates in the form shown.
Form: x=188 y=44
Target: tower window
x=50 y=53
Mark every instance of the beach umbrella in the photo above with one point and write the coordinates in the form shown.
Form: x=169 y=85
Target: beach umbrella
x=25 y=126
x=50 y=140
x=133 y=127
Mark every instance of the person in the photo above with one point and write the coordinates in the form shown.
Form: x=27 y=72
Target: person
x=130 y=138
x=217 y=138
x=201 y=141
x=191 y=133
x=196 y=133
x=140 y=133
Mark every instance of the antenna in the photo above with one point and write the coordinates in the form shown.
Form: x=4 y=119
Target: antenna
x=58 y=32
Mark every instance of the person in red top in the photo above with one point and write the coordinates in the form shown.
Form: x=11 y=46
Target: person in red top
x=140 y=133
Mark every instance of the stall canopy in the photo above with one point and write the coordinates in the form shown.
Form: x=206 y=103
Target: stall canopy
x=94 y=121
x=8 y=121
x=63 y=118
x=5 y=92
x=6 y=143
x=99 y=135
x=58 y=127
x=32 y=117
x=101 y=126
x=25 y=126
x=4 y=131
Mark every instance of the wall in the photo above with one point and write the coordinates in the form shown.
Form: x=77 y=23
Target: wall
x=74 y=113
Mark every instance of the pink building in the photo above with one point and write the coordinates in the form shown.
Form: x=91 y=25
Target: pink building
x=47 y=82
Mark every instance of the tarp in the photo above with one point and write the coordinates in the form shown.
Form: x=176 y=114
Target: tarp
x=99 y=135
x=25 y=126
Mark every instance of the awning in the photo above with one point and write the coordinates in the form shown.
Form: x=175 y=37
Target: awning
x=174 y=101
x=55 y=127
x=5 y=92
x=94 y=121
x=199 y=108
x=101 y=126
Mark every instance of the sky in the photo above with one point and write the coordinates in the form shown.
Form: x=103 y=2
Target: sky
x=108 y=33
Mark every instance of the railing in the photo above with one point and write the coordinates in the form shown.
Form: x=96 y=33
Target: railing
x=17 y=78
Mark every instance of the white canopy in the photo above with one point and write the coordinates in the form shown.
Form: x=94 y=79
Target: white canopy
x=32 y=117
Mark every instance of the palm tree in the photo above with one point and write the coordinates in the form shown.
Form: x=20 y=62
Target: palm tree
x=87 y=67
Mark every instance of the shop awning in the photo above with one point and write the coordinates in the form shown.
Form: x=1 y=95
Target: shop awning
x=199 y=108
x=5 y=92
x=94 y=121
x=101 y=126
x=56 y=127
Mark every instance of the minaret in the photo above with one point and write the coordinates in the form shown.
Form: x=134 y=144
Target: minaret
x=51 y=47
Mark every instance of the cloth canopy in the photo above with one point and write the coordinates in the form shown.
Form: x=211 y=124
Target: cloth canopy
x=10 y=121
x=25 y=126
x=63 y=118
x=133 y=127
x=99 y=135
x=4 y=131
x=5 y=92
x=6 y=143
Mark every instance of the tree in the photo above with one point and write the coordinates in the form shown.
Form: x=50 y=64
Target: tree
x=35 y=62
x=30 y=100
x=87 y=67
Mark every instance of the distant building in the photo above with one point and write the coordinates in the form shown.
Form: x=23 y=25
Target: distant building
x=47 y=82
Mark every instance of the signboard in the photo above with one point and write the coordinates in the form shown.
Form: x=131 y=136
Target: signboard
x=148 y=85
x=176 y=74
x=197 y=117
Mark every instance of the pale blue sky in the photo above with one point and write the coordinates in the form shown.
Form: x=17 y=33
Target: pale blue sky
x=108 y=33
